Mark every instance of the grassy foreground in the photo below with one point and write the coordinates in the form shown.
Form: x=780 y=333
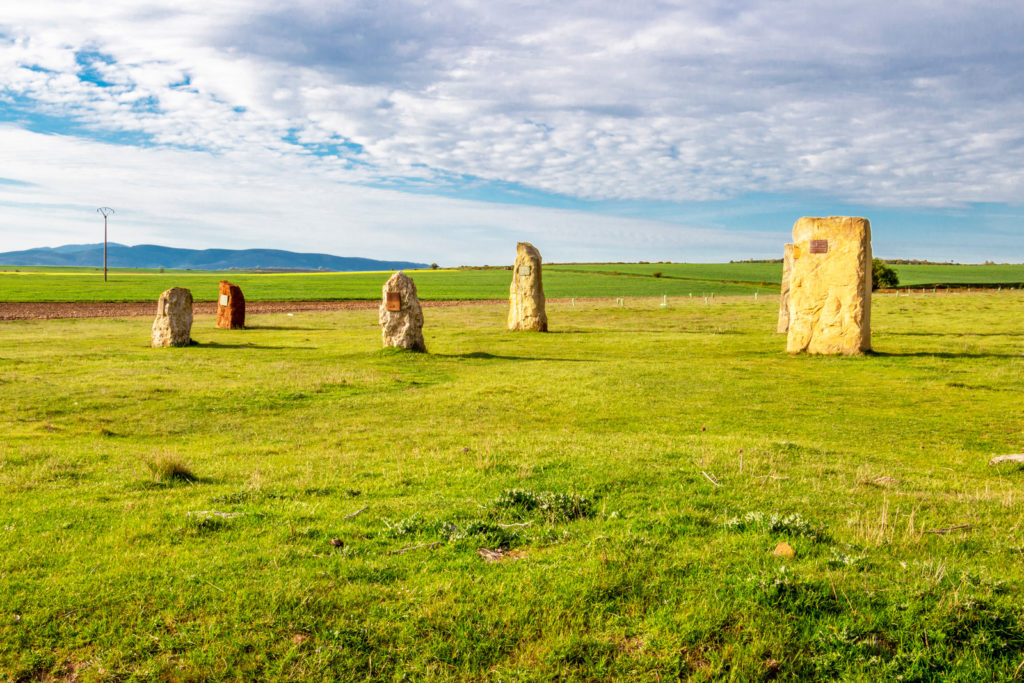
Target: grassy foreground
x=169 y=513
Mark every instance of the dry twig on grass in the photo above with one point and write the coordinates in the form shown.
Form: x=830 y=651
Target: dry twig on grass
x=516 y=525
x=350 y=516
x=710 y=478
x=949 y=529
x=402 y=551
x=215 y=513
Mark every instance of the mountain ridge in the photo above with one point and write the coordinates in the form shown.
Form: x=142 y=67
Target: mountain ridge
x=157 y=256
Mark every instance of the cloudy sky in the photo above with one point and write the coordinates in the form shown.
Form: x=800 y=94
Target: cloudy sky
x=448 y=130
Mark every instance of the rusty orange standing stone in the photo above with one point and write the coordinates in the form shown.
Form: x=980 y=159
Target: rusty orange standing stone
x=230 y=307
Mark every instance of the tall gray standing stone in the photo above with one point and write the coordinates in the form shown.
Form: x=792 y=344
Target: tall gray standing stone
x=401 y=318
x=173 y=324
x=526 y=294
x=787 y=268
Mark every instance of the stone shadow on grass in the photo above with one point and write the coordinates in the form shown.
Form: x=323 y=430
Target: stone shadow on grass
x=219 y=345
x=955 y=334
x=941 y=354
x=483 y=355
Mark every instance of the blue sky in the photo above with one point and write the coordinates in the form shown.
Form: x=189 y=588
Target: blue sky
x=447 y=131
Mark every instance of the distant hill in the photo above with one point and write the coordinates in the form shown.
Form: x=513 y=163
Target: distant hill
x=155 y=256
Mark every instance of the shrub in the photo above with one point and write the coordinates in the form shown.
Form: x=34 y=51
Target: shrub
x=656 y=273
x=882 y=275
x=168 y=468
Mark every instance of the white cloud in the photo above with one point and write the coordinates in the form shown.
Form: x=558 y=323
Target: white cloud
x=917 y=104
x=201 y=200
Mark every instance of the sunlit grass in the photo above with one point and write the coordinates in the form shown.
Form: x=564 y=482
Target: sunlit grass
x=597 y=502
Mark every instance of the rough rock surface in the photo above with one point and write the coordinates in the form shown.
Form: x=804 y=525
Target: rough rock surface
x=787 y=268
x=173 y=324
x=526 y=295
x=403 y=327
x=230 y=307
x=830 y=286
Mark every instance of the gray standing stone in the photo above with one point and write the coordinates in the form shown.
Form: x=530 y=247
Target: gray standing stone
x=173 y=324
x=401 y=318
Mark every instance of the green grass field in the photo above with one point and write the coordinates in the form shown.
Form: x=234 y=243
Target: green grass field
x=910 y=275
x=76 y=285
x=28 y=284
x=167 y=514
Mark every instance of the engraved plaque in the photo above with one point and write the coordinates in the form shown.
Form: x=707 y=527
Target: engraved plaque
x=394 y=302
x=223 y=299
x=819 y=246
x=525 y=270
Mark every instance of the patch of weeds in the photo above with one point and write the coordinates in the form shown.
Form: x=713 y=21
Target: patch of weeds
x=237 y=497
x=793 y=524
x=199 y=525
x=840 y=559
x=167 y=468
x=839 y=647
x=410 y=526
x=551 y=536
x=785 y=589
x=490 y=534
x=553 y=507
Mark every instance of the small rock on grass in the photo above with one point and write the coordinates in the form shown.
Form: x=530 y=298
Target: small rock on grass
x=337 y=542
x=784 y=550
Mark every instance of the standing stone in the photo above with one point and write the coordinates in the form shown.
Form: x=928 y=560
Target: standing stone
x=526 y=295
x=401 y=318
x=787 y=268
x=830 y=286
x=173 y=324
x=230 y=307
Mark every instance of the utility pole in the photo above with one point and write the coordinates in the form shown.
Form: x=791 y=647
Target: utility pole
x=104 y=211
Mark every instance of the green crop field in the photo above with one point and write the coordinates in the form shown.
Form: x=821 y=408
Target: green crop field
x=291 y=502
x=611 y=280
x=910 y=275
x=28 y=285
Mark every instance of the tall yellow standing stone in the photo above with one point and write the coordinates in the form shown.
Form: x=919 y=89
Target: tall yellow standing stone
x=787 y=269
x=526 y=294
x=830 y=286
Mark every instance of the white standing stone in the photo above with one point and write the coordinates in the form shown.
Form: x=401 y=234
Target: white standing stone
x=401 y=317
x=173 y=324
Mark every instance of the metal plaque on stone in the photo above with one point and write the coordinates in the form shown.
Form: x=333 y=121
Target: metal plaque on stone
x=394 y=302
x=819 y=246
x=223 y=299
x=525 y=270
